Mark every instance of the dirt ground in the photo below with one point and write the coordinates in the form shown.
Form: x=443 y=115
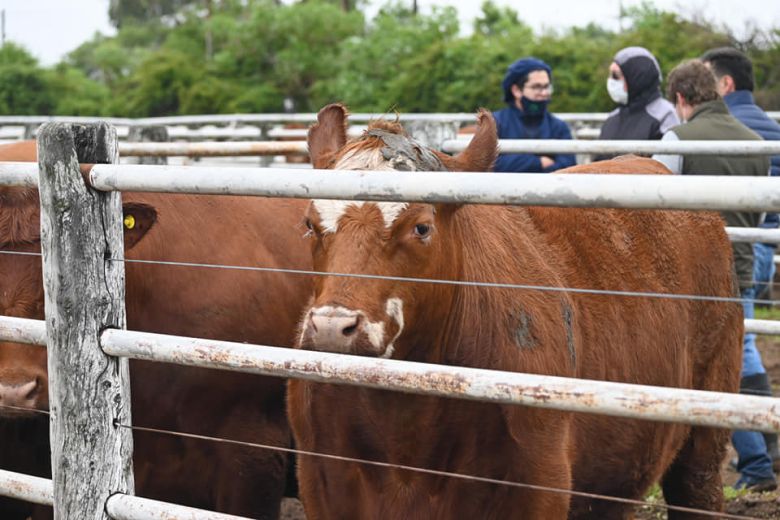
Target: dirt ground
x=755 y=505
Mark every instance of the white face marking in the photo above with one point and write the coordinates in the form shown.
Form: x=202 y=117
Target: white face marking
x=331 y=210
x=395 y=309
x=375 y=332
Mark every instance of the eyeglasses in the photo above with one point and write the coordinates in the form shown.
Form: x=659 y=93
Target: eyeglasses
x=539 y=88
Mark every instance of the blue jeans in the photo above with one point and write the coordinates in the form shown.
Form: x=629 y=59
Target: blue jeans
x=751 y=358
x=763 y=268
x=753 y=461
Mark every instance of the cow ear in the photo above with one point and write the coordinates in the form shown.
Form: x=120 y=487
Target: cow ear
x=137 y=220
x=482 y=151
x=328 y=135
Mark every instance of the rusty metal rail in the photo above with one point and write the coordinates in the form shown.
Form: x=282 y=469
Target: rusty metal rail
x=577 y=395
x=26 y=487
x=229 y=149
x=128 y=507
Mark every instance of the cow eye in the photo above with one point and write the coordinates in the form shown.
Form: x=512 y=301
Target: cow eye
x=422 y=230
x=310 y=230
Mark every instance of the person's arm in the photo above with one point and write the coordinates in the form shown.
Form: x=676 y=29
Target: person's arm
x=669 y=121
x=562 y=160
x=673 y=162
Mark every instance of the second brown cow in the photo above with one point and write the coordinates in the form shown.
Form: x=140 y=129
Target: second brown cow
x=225 y=304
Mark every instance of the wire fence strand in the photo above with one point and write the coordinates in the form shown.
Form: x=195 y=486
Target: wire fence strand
x=463 y=283
x=440 y=473
x=387 y=465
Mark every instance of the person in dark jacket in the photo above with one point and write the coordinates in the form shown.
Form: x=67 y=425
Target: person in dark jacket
x=693 y=88
x=634 y=83
x=527 y=90
x=734 y=75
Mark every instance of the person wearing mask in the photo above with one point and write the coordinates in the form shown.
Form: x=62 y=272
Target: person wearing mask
x=634 y=83
x=734 y=76
x=705 y=116
x=527 y=89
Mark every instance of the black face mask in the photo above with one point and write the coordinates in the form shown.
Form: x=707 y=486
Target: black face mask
x=533 y=108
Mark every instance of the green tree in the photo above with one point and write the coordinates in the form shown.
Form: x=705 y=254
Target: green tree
x=122 y=12
x=24 y=89
x=77 y=95
x=158 y=85
x=194 y=56
x=367 y=66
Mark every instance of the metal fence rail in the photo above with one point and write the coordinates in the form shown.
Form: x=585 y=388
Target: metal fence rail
x=255 y=119
x=26 y=487
x=506 y=146
x=623 y=147
x=121 y=507
x=206 y=149
x=699 y=192
x=576 y=395
x=129 y=507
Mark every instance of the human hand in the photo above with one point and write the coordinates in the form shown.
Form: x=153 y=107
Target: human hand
x=546 y=162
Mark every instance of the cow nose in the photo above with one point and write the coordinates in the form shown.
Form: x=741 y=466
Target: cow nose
x=22 y=395
x=333 y=329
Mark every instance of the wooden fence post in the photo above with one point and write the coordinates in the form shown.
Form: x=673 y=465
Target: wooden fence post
x=432 y=133
x=30 y=130
x=89 y=392
x=265 y=160
x=148 y=134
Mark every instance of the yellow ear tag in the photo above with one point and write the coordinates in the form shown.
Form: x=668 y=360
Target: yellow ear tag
x=129 y=222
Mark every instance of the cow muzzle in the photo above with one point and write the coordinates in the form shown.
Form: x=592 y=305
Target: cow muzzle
x=347 y=331
x=23 y=397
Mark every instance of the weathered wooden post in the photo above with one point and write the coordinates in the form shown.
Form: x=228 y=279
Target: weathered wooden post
x=89 y=392
x=432 y=133
x=30 y=130
x=265 y=129
x=148 y=134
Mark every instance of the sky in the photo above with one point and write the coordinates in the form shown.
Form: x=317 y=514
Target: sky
x=51 y=28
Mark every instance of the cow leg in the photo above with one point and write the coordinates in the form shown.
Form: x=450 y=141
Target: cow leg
x=42 y=513
x=542 y=459
x=694 y=478
x=250 y=481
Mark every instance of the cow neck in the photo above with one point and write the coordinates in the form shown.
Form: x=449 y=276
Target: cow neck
x=19 y=217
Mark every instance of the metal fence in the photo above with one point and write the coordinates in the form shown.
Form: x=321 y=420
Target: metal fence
x=100 y=457
x=272 y=126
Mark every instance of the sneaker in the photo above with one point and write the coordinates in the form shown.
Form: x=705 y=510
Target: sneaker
x=756 y=485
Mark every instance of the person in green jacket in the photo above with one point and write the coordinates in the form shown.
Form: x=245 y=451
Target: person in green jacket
x=693 y=90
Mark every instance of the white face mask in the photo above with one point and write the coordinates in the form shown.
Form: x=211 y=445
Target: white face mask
x=617 y=91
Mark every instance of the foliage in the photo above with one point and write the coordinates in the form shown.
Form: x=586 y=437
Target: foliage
x=77 y=95
x=23 y=84
x=215 y=56
x=366 y=72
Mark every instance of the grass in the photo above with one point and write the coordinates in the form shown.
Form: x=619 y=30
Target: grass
x=768 y=313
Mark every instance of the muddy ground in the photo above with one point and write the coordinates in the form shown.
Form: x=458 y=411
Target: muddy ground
x=755 y=505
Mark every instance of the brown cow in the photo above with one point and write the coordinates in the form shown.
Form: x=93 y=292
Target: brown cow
x=222 y=304
x=689 y=344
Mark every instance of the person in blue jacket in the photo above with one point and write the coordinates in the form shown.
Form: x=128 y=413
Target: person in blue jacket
x=733 y=72
x=527 y=91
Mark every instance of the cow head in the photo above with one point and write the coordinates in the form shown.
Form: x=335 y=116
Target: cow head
x=382 y=317
x=23 y=370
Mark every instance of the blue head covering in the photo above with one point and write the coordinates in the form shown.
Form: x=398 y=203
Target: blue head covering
x=517 y=70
